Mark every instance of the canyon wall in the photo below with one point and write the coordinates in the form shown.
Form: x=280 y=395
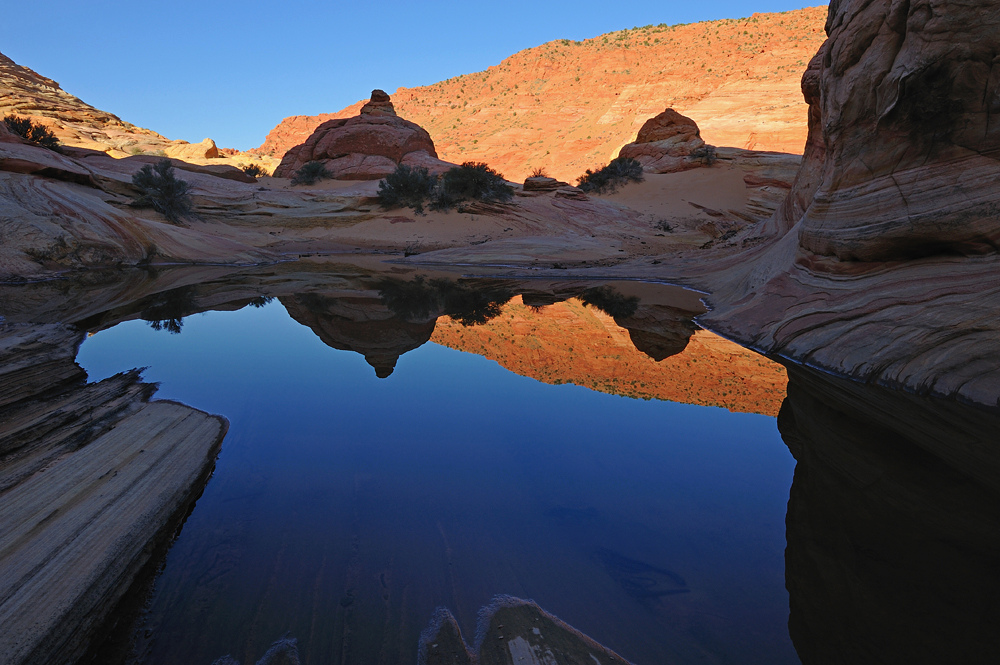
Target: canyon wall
x=886 y=265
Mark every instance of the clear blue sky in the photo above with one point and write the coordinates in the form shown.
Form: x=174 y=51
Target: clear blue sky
x=232 y=70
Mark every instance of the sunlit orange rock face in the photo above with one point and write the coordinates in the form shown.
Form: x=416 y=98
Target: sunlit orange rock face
x=568 y=106
x=570 y=343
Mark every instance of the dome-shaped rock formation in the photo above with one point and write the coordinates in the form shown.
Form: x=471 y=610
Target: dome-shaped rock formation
x=665 y=143
x=368 y=146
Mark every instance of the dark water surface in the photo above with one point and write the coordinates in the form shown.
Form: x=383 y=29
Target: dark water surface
x=345 y=508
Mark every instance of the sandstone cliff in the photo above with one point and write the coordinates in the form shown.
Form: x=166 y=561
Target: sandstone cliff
x=568 y=106
x=882 y=262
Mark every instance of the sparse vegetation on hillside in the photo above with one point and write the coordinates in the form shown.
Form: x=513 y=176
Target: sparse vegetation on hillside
x=606 y=180
x=310 y=174
x=35 y=132
x=254 y=170
x=410 y=187
x=162 y=191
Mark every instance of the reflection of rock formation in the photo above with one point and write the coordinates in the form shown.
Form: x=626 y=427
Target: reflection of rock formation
x=654 y=353
x=94 y=479
x=359 y=324
x=511 y=631
x=892 y=554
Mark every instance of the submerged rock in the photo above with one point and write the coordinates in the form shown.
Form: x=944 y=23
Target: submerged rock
x=511 y=631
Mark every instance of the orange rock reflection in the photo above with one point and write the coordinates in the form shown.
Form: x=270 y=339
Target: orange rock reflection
x=569 y=343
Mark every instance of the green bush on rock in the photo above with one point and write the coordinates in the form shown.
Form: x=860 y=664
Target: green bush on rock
x=37 y=133
x=162 y=191
x=310 y=174
x=408 y=187
x=606 y=180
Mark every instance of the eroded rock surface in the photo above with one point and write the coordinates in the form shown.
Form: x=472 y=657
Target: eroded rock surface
x=881 y=264
x=94 y=480
x=904 y=99
x=568 y=106
x=368 y=146
x=666 y=143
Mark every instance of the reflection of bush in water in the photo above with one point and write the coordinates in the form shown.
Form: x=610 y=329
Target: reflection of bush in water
x=260 y=301
x=470 y=305
x=167 y=310
x=610 y=301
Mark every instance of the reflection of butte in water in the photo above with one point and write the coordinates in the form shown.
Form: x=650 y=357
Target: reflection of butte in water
x=648 y=352
x=893 y=552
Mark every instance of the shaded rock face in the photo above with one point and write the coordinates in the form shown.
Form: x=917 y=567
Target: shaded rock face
x=903 y=155
x=665 y=143
x=368 y=146
x=892 y=553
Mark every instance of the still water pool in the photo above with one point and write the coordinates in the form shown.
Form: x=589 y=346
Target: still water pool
x=345 y=508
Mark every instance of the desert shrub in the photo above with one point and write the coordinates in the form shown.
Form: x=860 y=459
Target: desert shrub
x=470 y=304
x=539 y=172
x=410 y=301
x=38 y=134
x=610 y=301
x=606 y=180
x=166 y=311
x=310 y=173
x=260 y=301
x=406 y=187
x=162 y=191
x=135 y=150
x=705 y=154
x=473 y=181
x=254 y=170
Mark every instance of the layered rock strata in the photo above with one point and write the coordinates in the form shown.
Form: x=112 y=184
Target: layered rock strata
x=368 y=146
x=75 y=123
x=881 y=263
x=666 y=143
x=94 y=480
